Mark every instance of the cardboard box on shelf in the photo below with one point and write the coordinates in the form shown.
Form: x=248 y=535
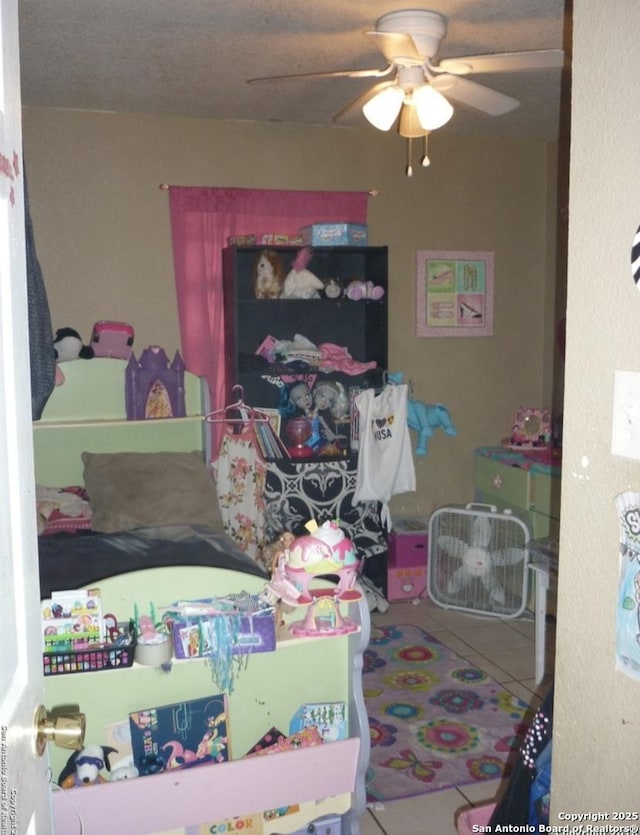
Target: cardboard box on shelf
x=335 y=234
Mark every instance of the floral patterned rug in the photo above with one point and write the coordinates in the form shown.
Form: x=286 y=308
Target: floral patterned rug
x=436 y=721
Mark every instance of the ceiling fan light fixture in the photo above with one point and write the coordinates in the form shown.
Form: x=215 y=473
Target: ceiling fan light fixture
x=409 y=126
x=383 y=109
x=432 y=107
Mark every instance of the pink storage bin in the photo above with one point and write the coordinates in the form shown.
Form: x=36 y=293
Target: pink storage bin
x=408 y=583
x=112 y=339
x=477 y=816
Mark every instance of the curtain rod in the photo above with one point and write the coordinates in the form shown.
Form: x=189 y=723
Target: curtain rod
x=373 y=192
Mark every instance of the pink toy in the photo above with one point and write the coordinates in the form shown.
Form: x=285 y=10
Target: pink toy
x=326 y=550
x=112 y=339
x=148 y=633
x=357 y=290
x=323 y=617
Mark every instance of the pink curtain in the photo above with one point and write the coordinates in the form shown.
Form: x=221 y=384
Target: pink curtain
x=202 y=220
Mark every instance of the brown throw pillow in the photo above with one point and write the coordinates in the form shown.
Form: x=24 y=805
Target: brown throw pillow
x=129 y=490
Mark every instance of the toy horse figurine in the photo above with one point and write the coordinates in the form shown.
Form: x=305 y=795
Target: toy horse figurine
x=424 y=418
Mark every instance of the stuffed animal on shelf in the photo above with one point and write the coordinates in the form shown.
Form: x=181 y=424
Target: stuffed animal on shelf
x=357 y=290
x=332 y=289
x=301 y=283
x=268 y=275
x=68 y=345
x=124 y=772
x=84 y=766
x=424 y=418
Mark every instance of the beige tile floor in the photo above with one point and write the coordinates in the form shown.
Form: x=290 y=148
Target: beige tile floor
x=505 y=651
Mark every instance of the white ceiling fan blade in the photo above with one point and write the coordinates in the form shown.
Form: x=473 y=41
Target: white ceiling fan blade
x=332 y=74
x=354 y=107
x=474 y=95
x=394 y=46
x=536 y=59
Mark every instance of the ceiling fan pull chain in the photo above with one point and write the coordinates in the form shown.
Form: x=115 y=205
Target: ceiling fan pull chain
x=426 y=162
x=409 y=166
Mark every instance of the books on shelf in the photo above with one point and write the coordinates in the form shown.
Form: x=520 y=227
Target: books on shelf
x=268 y=438
x=180 y=735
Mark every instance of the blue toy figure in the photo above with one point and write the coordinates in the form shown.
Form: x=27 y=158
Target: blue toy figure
x=424 y=418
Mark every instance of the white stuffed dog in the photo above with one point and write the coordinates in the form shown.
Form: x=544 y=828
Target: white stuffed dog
x=84 y=766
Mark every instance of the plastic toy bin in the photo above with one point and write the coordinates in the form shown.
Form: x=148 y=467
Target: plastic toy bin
x=98 y=657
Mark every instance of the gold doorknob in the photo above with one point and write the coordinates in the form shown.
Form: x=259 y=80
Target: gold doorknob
x=66 y=730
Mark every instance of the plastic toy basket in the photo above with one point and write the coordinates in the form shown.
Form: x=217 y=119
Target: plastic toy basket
x=99 y=657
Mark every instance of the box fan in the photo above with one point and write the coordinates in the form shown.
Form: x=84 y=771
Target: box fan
x=478 y=560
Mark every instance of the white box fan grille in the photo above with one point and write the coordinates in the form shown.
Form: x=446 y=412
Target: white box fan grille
x=478 y=560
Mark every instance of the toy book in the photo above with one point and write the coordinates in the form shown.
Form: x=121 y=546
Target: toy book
x=180 y=735
x=301 y=739
x=272 y=736
x=72 y=620
x=330 y=718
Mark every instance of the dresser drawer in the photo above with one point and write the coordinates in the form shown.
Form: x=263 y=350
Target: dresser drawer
x=540 y=525
x=544 y=494
x=501 y=483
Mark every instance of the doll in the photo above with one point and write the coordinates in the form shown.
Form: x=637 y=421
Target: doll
x=268 y=275
x=331 y=404
x=330 y=395
x=296 y=400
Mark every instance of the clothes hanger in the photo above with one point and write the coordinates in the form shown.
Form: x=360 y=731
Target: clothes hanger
x=247 y=414
x=386 y=381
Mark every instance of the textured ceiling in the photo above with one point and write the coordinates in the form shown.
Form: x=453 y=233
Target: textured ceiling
x=192 y=57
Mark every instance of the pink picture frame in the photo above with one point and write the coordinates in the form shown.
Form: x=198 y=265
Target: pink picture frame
x=454 y=293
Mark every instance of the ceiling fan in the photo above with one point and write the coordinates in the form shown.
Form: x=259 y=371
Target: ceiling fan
x=419 y=88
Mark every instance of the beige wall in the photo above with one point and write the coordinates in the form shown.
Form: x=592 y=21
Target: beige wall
x=103 y=238
x=596 y=753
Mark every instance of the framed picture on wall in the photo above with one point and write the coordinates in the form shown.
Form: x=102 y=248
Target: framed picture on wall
x=454 y=293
